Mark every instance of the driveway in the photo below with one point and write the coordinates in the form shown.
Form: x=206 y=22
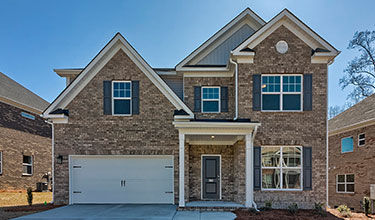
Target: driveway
x=136 y=212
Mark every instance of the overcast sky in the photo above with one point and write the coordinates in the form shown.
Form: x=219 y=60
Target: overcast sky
x=38 y=36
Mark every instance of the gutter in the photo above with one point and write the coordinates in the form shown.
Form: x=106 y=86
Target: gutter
x=236 y=87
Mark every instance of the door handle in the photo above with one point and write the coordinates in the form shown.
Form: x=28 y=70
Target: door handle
x=123 y=183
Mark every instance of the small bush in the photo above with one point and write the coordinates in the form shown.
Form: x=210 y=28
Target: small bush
x=29 y=196
x=366 y=203
x=318 y=207
x=344 y=211
x=267 y=205
x=293 y=208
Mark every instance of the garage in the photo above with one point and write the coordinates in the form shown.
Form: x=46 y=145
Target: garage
x=146 y=179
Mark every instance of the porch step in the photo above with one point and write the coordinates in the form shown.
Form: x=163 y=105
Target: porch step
x=211 y=206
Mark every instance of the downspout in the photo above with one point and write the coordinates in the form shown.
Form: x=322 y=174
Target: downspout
x=53 y=160
x=236 y=87
x=252 y=139
x=327 y=145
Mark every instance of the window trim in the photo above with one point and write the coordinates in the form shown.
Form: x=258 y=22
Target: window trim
x=352 y=147
x=361 y=139
x=218 y=99
x=113 y=98
x=281 y=169
x=281 y=93
x=28 y=164
x=345 y=183
x=1 y=162
x=27 y=115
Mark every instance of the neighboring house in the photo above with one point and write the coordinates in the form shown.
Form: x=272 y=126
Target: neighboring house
x=352 y=154
x=25 y=137
x=243 y=118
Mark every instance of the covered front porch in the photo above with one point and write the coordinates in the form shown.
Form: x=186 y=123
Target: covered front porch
x=215 y=163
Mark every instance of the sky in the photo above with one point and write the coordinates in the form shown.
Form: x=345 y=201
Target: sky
x=38 y=36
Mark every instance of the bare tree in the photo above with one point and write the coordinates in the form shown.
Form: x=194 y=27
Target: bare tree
x=360 y=71
x=336 y=109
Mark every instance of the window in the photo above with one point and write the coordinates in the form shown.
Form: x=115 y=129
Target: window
x=210 y=99
x=1 y=162
x=27 y=165
x=121 y=101
x=345 y=183
x=27 y=115
x=281 y=168
x=361 y=139
x=281 y=93
x=347 y=144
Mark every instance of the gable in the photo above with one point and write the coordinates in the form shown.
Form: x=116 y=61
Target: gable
x=117 y=43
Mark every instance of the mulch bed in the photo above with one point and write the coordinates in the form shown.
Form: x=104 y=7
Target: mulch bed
x=278 y=214
x=17 y=211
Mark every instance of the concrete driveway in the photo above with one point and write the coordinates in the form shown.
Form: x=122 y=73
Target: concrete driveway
x=136 y=212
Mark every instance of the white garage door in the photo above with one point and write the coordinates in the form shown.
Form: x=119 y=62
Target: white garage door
x=121 y=179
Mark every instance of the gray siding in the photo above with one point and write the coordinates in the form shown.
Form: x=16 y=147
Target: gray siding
x=175 y=82
x=220 y=55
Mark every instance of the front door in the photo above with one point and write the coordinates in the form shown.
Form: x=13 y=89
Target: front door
x=211 y=177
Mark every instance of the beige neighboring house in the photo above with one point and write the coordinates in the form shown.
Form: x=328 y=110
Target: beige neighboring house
x=25 y=137
x=240 y=121
x=352 y=154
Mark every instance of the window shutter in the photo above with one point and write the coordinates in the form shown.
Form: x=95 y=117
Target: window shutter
x=307 y=92
x=257 y=168
x=107 y=96
x=135 y=97
x=224 y=99
x=307 y=168
x=197 y=98
x=256 y=92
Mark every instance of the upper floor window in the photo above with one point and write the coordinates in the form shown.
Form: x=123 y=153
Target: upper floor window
x=345 y=183
x=27 y=165
x=210 y=99
x=361 y=139
x=121 y=98
x=347 y=144
x=27 y=115
x=281 y=168
x=282 y=92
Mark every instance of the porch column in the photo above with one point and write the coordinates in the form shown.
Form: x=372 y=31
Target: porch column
x=249 y=171
x=181 y=166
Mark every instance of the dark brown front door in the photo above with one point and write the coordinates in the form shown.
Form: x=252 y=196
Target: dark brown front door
x=211 y=177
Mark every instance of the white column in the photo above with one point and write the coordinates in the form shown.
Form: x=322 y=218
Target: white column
x=249 y=170
x=181 y=183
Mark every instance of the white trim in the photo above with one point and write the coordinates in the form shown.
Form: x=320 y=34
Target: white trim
x=352 y=127
x=113 y=98
x=218 y=99
x=281 y=93
x=249 y=171
x=341 y=144
x=20 y=105
x=181 y=167
x=361 y=139
x=220 y=188
x=280 y=167
x=227 y=73
x=116 y=44
x=28 y=165
x=345 y=183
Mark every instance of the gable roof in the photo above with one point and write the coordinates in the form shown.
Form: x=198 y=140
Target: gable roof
x=290 y=21
x=358 y=115
x=258 y=21
x=15 y=94
x=118 y=42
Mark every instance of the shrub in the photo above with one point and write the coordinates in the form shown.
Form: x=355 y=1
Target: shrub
x=293 y=208
x=267 y=205
x=344 y=211
x=366 y=203
x=318 y=207
x=29 y=196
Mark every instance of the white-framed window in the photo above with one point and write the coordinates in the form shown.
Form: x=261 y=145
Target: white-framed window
x=282 y=92
x=1 y=162
x=211 y=99
x=347 y=144
x=27 y=115
x=27 y=165
x=281 y=167
x=345 y=183
x=121 y=98
x=361 y=139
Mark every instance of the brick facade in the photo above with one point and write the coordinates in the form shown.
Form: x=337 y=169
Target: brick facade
x=22 y=136
x=360 y=162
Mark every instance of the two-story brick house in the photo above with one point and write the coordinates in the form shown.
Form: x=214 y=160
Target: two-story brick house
x=241 y=119
x=25 y=137
x=351 y=154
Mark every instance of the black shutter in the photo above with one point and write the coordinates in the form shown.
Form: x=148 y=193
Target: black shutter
x=224 y=99
x=135 y=97
x=107 y=96
x=307 y=92
x=197 y=98
x=257 y=168
x=307 y=168
x=256 y=92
